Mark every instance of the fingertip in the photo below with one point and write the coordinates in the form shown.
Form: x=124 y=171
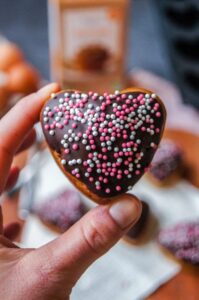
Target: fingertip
x=48 y=89
x=125 y=210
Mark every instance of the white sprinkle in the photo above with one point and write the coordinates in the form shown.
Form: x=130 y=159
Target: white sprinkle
x=46 y=119
x=63 y=161
x=51 y=132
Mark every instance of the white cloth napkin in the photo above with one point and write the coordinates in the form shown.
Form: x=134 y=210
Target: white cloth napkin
x=125 y=272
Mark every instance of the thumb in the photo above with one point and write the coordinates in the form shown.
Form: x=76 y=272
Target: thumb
x=73 y=252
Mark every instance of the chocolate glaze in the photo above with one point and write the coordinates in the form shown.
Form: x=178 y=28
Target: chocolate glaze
x=107 y=105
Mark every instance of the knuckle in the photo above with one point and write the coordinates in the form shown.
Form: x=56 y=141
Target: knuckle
x=96 y=240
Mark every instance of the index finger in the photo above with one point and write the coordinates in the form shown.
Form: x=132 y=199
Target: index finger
x=17 y=123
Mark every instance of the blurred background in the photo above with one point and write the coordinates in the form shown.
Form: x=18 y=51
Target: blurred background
x=153 y=44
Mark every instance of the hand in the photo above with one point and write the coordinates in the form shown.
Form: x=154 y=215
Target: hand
x=51 y=271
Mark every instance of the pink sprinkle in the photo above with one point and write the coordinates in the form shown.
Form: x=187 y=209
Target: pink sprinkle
x=143 y=128
x=126 y=172
x=128 y=101
x=118 y=188
x=107 y=191
x=105 y=180
x=123 y=96
x=60 y=126
x=98 y=187
x=91 y=179
x=74 y=125
x=75 y=147
x=52 y=126
x=46 y=127
x=119 y=176
x=66 y=151
x=137 y=172
x=140 y=97
x=50 y=114
x=89 y=170
x=158 y=114
x=157 y=130
x=78 y=175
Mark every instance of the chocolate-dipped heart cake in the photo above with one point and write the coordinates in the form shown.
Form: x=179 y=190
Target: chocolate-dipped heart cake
x=103 y=143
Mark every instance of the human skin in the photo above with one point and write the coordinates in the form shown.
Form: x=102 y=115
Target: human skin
x=51 y=271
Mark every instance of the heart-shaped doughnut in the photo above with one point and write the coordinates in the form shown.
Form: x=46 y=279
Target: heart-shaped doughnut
x=103 y=143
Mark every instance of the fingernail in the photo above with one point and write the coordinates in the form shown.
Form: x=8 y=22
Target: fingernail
x=125 y=212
